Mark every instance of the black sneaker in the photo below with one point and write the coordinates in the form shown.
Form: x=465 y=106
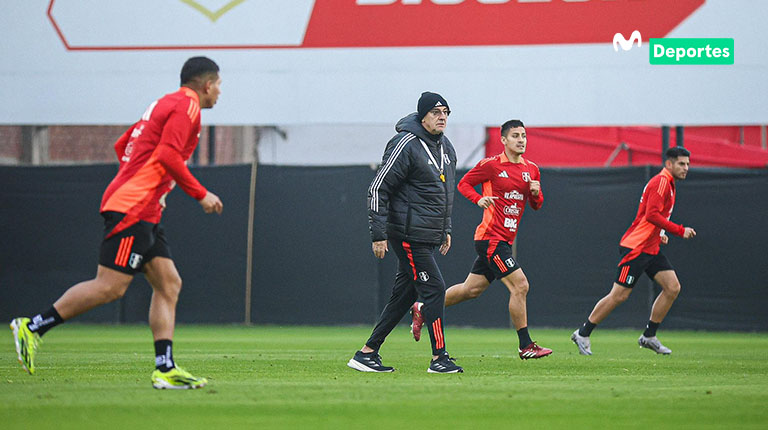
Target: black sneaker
x=370 y=362
x=444 y=364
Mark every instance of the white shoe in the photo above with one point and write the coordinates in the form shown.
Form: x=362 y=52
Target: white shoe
x=653 y=344
x=582 y=342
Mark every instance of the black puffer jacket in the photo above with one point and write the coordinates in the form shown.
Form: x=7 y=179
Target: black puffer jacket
x=407 y=200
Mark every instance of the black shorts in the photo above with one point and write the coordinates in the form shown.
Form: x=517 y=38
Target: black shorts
x=128 y=250
x=629 y=270
x=494 y=259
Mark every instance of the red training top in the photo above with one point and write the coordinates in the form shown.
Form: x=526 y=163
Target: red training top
x=644 y=235
x=509 y=182
x=152 y=155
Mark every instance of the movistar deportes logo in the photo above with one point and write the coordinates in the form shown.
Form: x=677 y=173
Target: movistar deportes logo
x=672 y=51
x=626 y=45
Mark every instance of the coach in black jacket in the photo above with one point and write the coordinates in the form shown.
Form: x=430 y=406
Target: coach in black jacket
x=409 y=204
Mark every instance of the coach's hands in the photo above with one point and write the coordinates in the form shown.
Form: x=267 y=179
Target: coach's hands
x=446 y=245
x=380 y=248
x=535 y=187
x=689 y=233
x=211 y=203
x=486 y=202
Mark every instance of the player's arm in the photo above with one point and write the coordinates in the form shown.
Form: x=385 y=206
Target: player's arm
x=655 y=194
x=175 y=133
x=536 y=195
x=395 y=164
x=477 y=175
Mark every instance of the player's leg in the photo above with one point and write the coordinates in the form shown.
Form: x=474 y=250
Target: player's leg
x=480 y=276
x=628 y=271
x=663 y=273
x=164 y=278
x=670 y=289
x=618 y=295
x=471 y=288
x=162 y=275
x=120 y=258
x=166 y=285
x=109 y=285
x=517 y=284
x=477 y=282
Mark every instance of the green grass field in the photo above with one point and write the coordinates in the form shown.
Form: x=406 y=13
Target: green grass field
x=92 y=376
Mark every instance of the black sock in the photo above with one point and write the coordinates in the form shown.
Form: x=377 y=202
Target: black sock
x=586 y=329
x=41 y=323
x=650 y=329
x=164 y=355
x=524 y=337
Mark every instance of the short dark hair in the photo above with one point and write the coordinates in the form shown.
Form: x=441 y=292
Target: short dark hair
x=512 y=123
x=677 y=151
x=197 y=67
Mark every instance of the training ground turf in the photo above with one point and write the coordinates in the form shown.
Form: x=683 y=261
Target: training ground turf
x=273 y=377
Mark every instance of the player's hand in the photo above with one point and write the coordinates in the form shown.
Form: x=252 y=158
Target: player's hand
x=689 y=233
x=664 y=239
x=446 y=245
x=486 y=202
x=380 y=248
x=211 y=203
x=535 y=187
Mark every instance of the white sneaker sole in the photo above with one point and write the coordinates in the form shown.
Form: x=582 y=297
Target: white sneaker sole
x=354 y=364
x=429 y=370
x=163 y=385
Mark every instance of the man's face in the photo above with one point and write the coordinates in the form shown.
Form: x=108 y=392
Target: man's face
x=212 y=91
x=515 y=141
x=435 y=120
x=678 y=167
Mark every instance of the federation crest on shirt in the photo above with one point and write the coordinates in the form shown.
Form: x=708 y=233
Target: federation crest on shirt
x=526 y=176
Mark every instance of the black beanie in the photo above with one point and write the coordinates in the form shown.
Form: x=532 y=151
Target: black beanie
x=427 y=101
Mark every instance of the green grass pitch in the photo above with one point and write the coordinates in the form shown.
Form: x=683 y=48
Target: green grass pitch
x=93 y=376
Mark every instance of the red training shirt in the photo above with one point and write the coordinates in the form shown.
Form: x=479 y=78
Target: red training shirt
x=152 y=155
x=644 y=235
x=510 y=183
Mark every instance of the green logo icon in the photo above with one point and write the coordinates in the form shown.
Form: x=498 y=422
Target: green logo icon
x=691 y=51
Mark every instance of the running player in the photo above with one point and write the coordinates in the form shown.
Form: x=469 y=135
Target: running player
x=152 y=156
x=639 y=249
x=508 y=182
